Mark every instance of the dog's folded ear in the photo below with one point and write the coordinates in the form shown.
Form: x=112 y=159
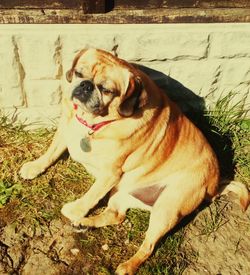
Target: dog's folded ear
x=69 y=75
x=70 y=72
x=135 y=97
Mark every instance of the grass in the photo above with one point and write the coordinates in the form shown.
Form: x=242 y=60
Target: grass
x=229 y=122
x=8 y=190
x=35 y=204
x=39 y=200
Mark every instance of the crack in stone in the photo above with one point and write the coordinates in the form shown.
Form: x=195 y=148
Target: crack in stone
x=177 y=58
x=235 y=56
x=115 y=47
x=21 y=70
x=207 y=52
x=58 y=57
x=52 y=254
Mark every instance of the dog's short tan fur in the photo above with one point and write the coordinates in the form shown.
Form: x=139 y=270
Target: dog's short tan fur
x=150 y=156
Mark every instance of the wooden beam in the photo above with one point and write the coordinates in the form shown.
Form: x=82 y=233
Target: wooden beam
x=86 y=6
x=155 y=4
x=38 y=4
x=185 y=15
x=94 y=6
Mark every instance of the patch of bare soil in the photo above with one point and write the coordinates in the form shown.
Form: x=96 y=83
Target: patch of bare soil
x=220 y=235
x=37 y=252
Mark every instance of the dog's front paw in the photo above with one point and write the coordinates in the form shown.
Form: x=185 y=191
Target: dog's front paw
x=30 y=170
x=125 y=269
x=73 y=211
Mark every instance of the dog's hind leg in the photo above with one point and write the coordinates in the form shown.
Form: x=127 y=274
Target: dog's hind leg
x=108 y=217
x=115 y=212
x=174 y=203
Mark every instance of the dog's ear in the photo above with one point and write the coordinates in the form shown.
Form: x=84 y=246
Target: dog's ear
x=70 y=73
x=135 y=97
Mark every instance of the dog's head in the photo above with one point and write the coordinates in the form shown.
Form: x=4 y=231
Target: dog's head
x=105 y=85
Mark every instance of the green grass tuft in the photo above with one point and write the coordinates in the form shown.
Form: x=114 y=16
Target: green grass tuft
x=8 y=190
x=229 y=121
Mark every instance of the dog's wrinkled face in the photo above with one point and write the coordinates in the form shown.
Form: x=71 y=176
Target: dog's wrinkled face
x=104 y=85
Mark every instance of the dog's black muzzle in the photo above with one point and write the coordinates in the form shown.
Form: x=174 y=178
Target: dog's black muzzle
x=84 y=91
x=87 y=94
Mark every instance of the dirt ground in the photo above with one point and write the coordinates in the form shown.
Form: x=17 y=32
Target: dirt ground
x=219 y=236
x=225 y=250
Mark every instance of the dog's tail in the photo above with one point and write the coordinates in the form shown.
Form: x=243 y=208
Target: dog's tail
x=237 y=188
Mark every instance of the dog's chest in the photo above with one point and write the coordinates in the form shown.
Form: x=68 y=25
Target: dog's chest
x=79 y=143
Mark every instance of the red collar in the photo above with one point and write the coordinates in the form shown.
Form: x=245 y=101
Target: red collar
x=93 y=127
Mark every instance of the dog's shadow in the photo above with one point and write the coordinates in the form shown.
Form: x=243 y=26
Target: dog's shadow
x=194 y=107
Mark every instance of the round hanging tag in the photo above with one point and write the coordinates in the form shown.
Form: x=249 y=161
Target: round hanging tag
x=85 y=144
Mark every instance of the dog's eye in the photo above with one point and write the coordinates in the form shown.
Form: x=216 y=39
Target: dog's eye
x=104 y=90
x=77 y=74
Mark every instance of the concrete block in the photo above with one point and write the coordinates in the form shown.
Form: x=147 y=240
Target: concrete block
x=36 y=117
x=11 y=74
x=197 y=76
x=43 y=92
x=76 y=41
x=235 y=71
x=229 y=44
x=162 y=45
x=40 y=54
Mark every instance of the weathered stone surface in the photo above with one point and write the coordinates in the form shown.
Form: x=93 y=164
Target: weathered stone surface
x=85 y=38
x=230 y=44
x=235 y=71
x=197 y=76
x=43 y=92
x=11 y=73
x=35 y=117
x=11 y=96
x=162 y=45
x=205 y=59
x=41 y=55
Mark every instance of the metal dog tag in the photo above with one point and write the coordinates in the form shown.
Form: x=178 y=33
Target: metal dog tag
x=85 y=144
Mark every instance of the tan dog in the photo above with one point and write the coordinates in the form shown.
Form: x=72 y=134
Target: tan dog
x=139 y=146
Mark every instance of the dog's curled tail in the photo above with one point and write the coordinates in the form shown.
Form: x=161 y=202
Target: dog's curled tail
x=237 y=188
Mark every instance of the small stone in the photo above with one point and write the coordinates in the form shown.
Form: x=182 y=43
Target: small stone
x=127 y=242
x=105 y=247
x=74 y=251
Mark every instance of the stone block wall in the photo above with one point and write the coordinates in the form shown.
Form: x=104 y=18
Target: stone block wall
x=206 y=59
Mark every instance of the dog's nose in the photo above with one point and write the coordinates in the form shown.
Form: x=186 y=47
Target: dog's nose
x=87 y=85
x=84 y=91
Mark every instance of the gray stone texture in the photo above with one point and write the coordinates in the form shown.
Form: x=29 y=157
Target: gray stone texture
x=206 y=59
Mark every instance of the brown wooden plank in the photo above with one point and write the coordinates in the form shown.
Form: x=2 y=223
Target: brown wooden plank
x=45 y=4
x=189 y=15
x=86 y=6
x=94 y=6
x=153 y=4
